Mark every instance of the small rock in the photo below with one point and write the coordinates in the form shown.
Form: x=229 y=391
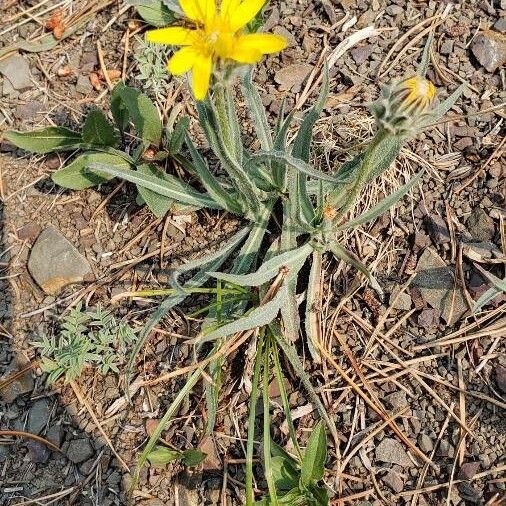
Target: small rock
x=212 y=461
x=481 y=225
x=469 y=494
x=401 y=302
x=38 y=416
x=28 y=111
x=428 y=319
x=436 y=282
x=425 y=443
x=500 y=25
x=83 y=85
x=500 y=378
x=391 y=451
x=293 y=76
x=38 y=453
x=468 y=470
x=489 y=48
x=361 y=54
x=79 y=450
x=55 y=263
x=463 y=143
x=447 y=47
x=394 y=481
x=29 y=231
x=445 y=449
x=397 y=400
x=22 y=385
x=55 y=434
x=394 y=10
x=437 y=228
x=17 y=71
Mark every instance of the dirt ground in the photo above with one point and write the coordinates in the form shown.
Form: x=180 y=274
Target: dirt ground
x=437 y=369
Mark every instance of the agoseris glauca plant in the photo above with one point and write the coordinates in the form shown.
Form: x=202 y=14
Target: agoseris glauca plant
x=213 y=36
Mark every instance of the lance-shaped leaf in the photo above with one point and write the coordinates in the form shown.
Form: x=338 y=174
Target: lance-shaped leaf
x=46 y=140
x=292 y=259
x=171 y=187
x=154 y=12
x=76 y=175
x=313 y=462
x=258 y=317
x=439 y=111
x=97 y=130
x=213 y=186
x=257 y=112
x=158 y=204
x=425 y=59
x=383 y=205
x=351 y=259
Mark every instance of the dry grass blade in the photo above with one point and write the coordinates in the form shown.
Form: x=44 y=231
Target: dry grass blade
x=29 y=435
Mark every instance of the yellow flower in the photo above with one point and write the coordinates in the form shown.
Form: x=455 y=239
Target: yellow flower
x=216 y=35
x=414 y=95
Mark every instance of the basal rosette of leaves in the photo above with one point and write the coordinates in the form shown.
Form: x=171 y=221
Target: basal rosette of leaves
x=277 y=193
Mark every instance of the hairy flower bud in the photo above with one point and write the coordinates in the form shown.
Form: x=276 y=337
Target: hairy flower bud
x=402 y=105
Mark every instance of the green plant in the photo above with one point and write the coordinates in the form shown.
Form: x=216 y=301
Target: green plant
x=150 y=60
x=101 y=142
x=92 y=338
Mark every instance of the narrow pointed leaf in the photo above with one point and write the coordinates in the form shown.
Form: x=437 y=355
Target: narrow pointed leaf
x=438 y=112
x=46 y=140
x=97 y=130
x=158 y=204
x=313 y=462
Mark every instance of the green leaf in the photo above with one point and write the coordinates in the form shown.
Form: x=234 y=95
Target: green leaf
x=46 y=140
x=161 y=456
x=193 y=457
x=292 y=259
x=439 y=111
x=76 y=175
x=128 y=102
x=154 y=12
x=97 y=130
x=158 y=204
x=171 y=187
x=178 y=135
x=313 y=463
x=383 y=205
x=258 y=317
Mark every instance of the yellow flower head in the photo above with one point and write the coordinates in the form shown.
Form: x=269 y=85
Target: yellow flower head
x=216 y=34
x=414 y=95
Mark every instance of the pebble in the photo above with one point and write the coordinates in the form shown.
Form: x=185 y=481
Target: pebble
x=394 y=481
x=38 y=416
x=397 y=400
x=468 y=470
x=500 y=378
x=83 y=85
x=480 y=225
x=402 y=301
x=22 y=385
x=489 y=48
x=17 y=71
x=391 y=451
x=438 y=229
x=292 y=77
x=79 y=450
x=55 y=263
x=425 y=443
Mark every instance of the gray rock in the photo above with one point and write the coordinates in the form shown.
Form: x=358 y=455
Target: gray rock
x=83 y=85
x=394 y=10
x=361 y=54
x=468 y=470
x=447 y=47
x=38 y=416
x=38 y=453
x=55 y=263
x=489 y=48
x=436 y=282
x=397 y=400
x=55 y=434
x=425 y=443
x=500 y=25
x=79 y=450
x=437 y=228
x=391 y=451
x=394 y=481
x=481 y=225
x=22 y=385
x=28 y=111
x=293 y=76
x=16 y=70
x=500 y=378
x=402 y=301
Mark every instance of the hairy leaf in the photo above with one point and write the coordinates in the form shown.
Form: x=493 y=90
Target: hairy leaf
x=158 y=204
x=46 y=140
x=97 y=130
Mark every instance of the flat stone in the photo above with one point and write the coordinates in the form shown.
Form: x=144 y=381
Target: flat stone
x=429 y=318
x=38 y=453
x=29 y=231
x=55 y=434
x=481 y=225
x=293 y=76
x=361 y=54
x=397 y=400
x=28 y=111
x=425 y=443
x=437 y=228
x=22 y=385
x=402 y=301
x=17 y=71
x=500 y=378
x=79 y=450
x=83 y=85
x=55 y=263
x=500 y=25
x=436 y=282
x=489 y=48
x=394 y=481
x=38 y=416
x=391 y=451
x=468 y=470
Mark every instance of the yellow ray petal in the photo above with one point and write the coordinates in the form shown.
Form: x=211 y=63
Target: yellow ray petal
x=182 y=61
x=191 y=10
x=245 y=54
x=173 y=36
x=201 y=75
x=264 y=43
x=244 y=13
x=207 y=10
x=228 y=6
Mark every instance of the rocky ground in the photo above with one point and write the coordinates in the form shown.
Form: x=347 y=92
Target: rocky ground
x=440 y=371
